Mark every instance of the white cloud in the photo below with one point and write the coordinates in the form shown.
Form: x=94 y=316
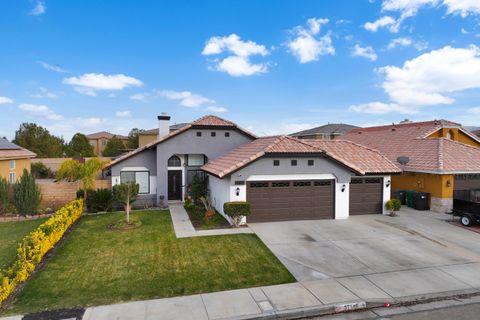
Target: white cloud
x=306 y=44
x=462 y=7
x=5 y=100
x=427 y=80
x=216 y=109
x=385 y=21
x=50 y=67
x=41 y=111
x=382 y=108
x=185 y=98
x=44 y=93
x=90 y=83
x=463 y=31
x=123 y=114
x=38 y=9
x=143 y=97
x=403 y=42
x=364 y=52
x=474 y=110
x=237 y=63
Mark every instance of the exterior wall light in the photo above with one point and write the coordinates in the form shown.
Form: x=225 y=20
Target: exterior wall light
x=237 y=191
x=449 y=184
x=388 y=183
x=343 y=187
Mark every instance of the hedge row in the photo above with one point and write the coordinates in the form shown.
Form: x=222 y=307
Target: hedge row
x=36 y=244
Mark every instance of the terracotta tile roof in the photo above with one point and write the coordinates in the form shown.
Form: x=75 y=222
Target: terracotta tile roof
x=360 y=159
x=104 y=135
x=206 y=121
x=410 y=140
x=10 y=151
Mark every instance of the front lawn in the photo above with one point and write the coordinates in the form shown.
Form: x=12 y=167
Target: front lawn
x=11 y=233
x=98 y=266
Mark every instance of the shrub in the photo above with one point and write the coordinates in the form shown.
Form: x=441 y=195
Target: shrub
x=4 y=199
x=36 y=244
x=26 y=194
x=393 y=205
x=41 y=171
x=236 y=210
x=199 y=188
x=98 y=200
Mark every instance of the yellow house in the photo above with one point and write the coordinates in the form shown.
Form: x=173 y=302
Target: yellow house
x=99 y=140
x=438 y=157
x=151 y=135
x=13 y=159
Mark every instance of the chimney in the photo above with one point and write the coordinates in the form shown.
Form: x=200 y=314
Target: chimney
x=163 y=125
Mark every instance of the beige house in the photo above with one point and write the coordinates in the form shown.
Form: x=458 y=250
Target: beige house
x=99 y=140
x=13 y=159
x=151 y=135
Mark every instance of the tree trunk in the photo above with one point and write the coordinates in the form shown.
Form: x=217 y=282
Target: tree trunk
x=128 y=210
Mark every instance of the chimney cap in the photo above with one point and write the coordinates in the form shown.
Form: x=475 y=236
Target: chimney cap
x=163 y=116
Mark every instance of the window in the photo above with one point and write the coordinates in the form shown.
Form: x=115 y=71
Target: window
x=302 y=183
x=213 y=133
x=322 y=183
x=280 y=184
x=142 y=178
x=11 y=177
x=196 y=160
x=276 y=163
x=258 y=184
x=199 y=133
x=104 y=142
x=92 y=143
x=191 y=174
x=174 y=161
x=293 y=162
x=310 y=162
x=12 y=164
x=227 y=134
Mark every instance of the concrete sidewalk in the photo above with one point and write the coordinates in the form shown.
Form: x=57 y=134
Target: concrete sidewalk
x=303 y=298
x=184 y=229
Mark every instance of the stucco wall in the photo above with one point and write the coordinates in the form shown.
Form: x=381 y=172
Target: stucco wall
x=145 y=159
x=145 y=139
x=20 y=164
x=434 y=184
x=188 y=143
x=457 y=135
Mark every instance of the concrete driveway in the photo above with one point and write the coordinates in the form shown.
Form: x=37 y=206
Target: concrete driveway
x=374 y=245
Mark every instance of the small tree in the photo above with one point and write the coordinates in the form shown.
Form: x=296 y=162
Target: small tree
x=27 y=194
x=393 y=205
x=113 y=148
x=79 y=146
x=4 y=190
x=236 y=210
x=41 y=171
x=126 y=194
x=72 y=170
x=133 y=138
x=199 y=188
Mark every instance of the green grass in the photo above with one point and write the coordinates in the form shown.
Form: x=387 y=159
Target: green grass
x=97 y=266
x=11 y=233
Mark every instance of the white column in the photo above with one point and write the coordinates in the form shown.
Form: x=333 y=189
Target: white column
x=342 y=200
x=387 y=186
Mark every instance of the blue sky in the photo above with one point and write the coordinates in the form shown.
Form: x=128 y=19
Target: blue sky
x=271 y=66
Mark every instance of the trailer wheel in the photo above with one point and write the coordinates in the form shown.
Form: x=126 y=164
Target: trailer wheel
x=466 y=220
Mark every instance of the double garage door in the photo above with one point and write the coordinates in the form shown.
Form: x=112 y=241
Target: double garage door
x=291 y=200
x=310 y=199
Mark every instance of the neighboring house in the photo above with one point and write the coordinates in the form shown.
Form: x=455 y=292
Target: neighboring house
x=441 y=157
x=99 y=140
x=13 y=159
x=284 y=178
x=326 y=132
x=151 y=135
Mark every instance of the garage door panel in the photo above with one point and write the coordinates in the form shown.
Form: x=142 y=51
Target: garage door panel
x=366 y=196
x=291 y=200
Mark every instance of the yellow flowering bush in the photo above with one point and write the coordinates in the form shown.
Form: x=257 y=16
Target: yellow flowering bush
x=36 y=244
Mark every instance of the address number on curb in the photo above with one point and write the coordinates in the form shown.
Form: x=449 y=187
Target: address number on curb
x=350 y=306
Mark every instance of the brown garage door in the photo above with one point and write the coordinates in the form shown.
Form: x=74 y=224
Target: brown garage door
x=466 y=182
x=366 y=196
x=290 y=200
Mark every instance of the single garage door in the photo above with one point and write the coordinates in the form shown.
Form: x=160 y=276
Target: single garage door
x=290 y=200
x=366 y=196
x=466 y=182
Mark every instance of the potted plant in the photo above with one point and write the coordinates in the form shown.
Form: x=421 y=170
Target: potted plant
x=393 y=205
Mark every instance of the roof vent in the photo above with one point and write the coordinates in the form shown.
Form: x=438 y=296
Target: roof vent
x=403 y=160
x=393 y=129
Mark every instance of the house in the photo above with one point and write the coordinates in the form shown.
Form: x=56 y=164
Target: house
x=99 y=140
x=283 y=178
x=437 y=157
x=151 y=135
x=326 y=132
x=13 y=159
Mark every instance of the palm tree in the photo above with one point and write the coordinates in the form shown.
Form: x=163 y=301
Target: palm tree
x=72 y=170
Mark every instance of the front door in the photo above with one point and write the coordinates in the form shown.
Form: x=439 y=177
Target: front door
x=175 y=185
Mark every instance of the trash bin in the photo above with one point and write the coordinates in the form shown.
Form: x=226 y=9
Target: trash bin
x=400 y=196
x=409 y=201
x=420 y=200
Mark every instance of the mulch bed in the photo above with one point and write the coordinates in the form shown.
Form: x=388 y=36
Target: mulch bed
x=63 y=314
